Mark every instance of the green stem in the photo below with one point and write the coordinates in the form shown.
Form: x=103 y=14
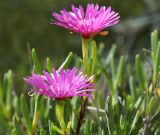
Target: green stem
x=60 y=113
x=86 y=64
x=85 y=47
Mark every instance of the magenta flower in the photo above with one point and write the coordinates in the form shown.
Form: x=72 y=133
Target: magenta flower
x=62 y=85
x=87 y=23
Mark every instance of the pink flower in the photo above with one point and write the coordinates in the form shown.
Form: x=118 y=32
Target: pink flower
x=62 y=85
x=87 y=23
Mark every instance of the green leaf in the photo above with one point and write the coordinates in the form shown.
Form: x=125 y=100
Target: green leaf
x=100 y=49
x=43 y=132
x=109 y=116
x=108 y=79
x=157 y=64
x=110 y=55
x=87 y=128
x=49 y=64
x=131 y=86
x=152 y=105
x=47 y=108
x=1 y=94
x=3 y=121
x=37 y=110
x=25 y=112
x=14 y=132
x=55 y=128
x=134 y=122
x=120 y=71
x=36 y=62
x=97 y=76
x=123 y=115
x=140 y=73
x=16 y=126
x=100 y=99
x=76 y=102
x=113 y=70
x=133 y=116
x=32 y=104
x=74 y=121
x=9 y=89
x=51 y=130
x=38 y=99
x=67 y=61
x=154 y=43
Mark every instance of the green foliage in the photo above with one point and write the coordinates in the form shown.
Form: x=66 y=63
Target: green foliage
x=25 y=112
x=140 y=73
x=128 y=106
x=67 y=62
x=36 y=63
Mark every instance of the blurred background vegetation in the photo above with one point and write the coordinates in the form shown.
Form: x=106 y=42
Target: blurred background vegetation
x=25 y=24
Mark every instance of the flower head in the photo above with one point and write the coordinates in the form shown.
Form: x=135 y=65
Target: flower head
x=87 y=23
x=62 y=85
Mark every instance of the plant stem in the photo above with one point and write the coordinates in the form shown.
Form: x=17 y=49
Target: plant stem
x=60 y=113
x=86 y=63
x=85 y=47
x=82 y=113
